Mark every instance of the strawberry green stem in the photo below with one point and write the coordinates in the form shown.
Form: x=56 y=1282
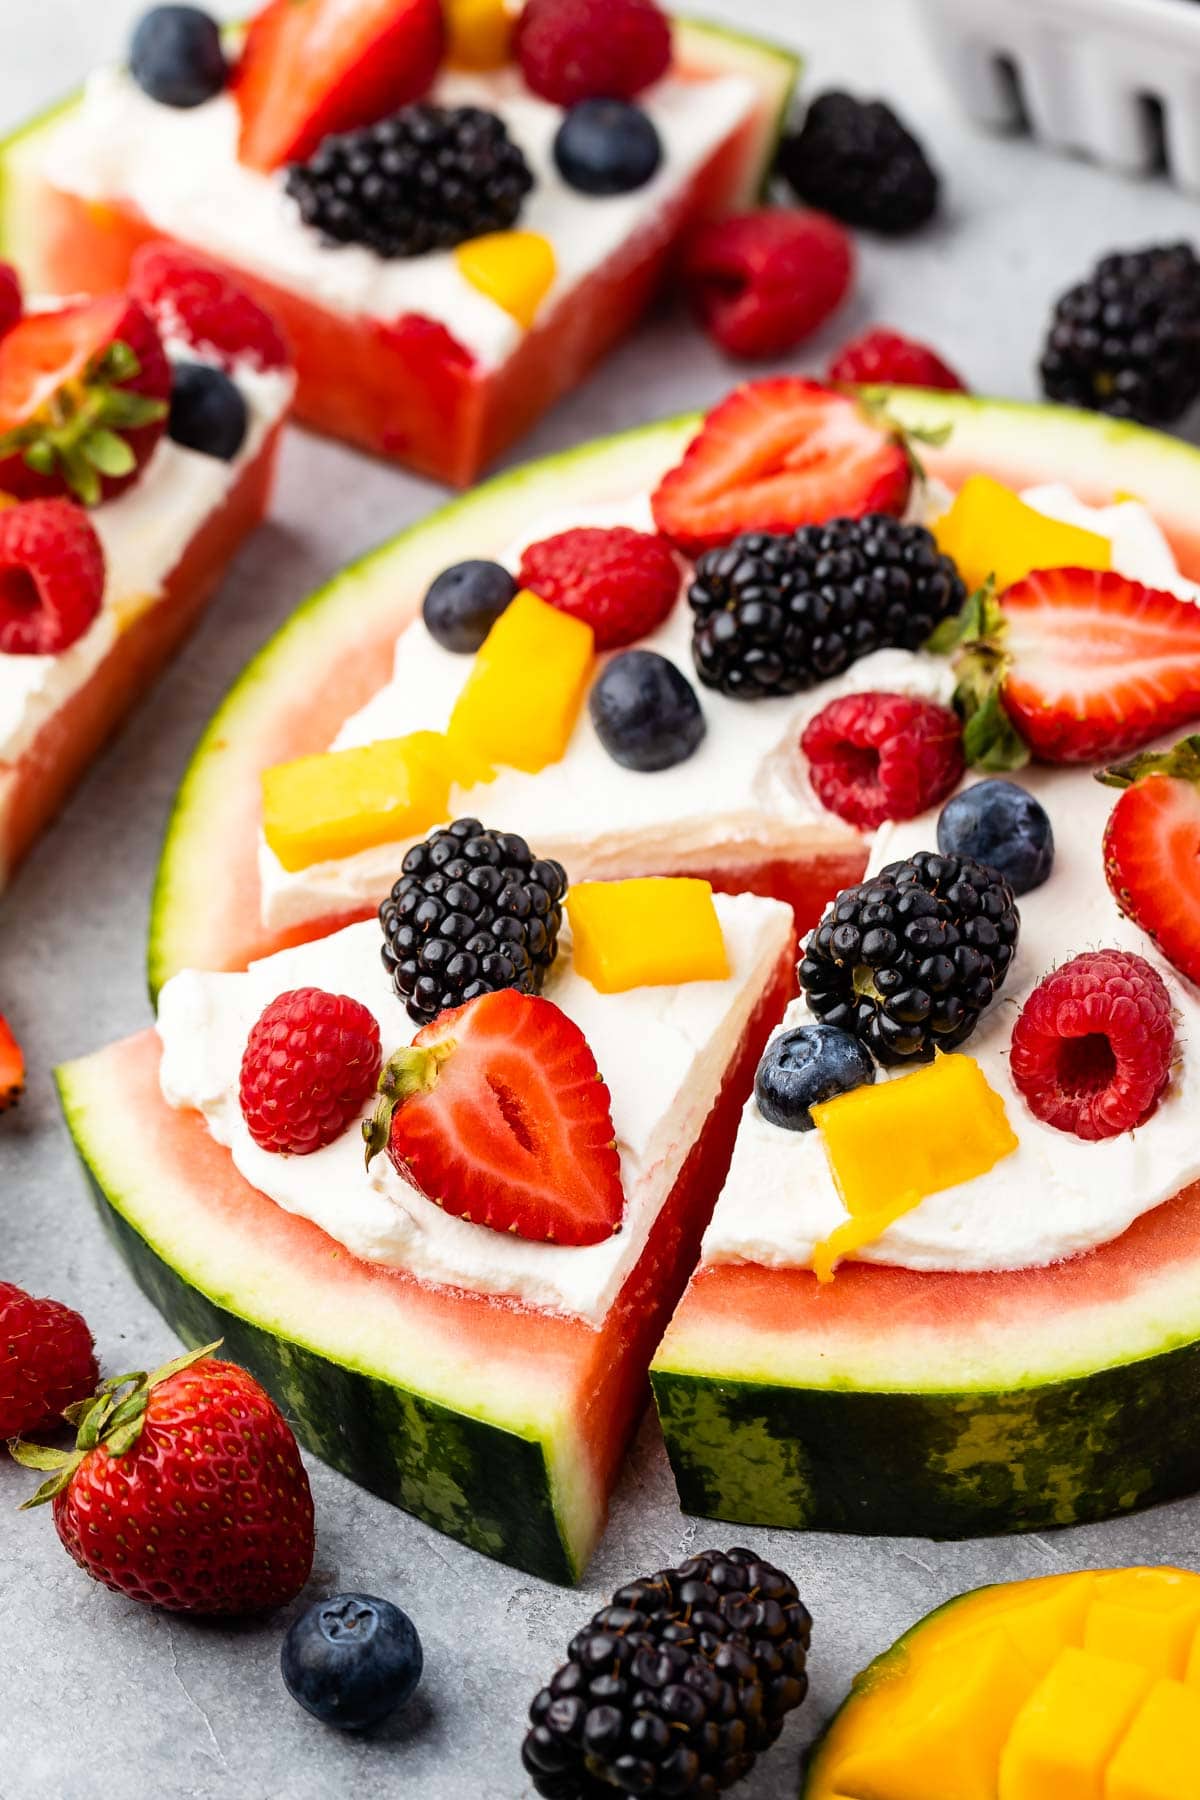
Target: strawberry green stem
x=1183 y=763
x=411 y=1071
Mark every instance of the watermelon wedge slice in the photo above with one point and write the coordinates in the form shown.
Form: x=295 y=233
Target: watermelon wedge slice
x=500 y=1423
x=403 y=387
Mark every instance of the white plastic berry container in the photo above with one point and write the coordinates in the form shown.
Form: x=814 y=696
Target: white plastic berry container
x=1117 y=80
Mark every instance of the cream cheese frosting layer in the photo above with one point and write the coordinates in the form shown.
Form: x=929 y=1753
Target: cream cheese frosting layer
x=663 y=1051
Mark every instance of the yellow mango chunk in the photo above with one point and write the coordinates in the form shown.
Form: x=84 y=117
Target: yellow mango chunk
x=1064 y=1737
x=1145 y=1616
x=516 y=269
x=322 y=807
x=989 y=531
x=522 y=698
x=1159 y=1757
x=891 y=1144
x=660 y=932
x=951 y=1745
x=479 y=33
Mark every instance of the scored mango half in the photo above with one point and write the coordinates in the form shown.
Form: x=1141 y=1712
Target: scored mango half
x=990 y=532
x=1030 y=1691
x=893 y=1143
x=659 y=932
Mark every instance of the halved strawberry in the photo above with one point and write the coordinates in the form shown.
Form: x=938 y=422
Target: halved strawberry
x=1082 y=664
x=1152 y=849
x=499 y=1115
x=777 y=454
x=311 y=67
x=83 y=399
x=12 y=1067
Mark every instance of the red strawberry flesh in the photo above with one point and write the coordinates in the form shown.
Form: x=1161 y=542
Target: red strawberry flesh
x=312 y=67
x=511 y=1126
x=1152 y=854
x=12 y=1067
x=1098 y=664
x=777 y=454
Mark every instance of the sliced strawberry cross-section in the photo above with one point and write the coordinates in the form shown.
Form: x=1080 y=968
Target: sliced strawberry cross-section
x=499 y=1115
x=1084 y=664
x=777 y=454
x=312 y=67
x=83 y=399
x=1152 y=849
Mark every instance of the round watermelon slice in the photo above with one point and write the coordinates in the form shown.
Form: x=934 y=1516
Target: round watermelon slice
x=971 y=1404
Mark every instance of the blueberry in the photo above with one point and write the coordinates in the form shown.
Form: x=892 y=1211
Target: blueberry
x=176 y=56
x=645 y=712
x=464 y=603
x=607 y=147
x=208 y=411
x=805 y=1066
x=352 y=1660
x=1003 y=826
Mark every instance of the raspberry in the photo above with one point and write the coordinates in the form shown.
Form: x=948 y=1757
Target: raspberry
x=12 y=305
x=47 y=1361
x=573 y=50
x=882 y=756
x=761 y=282
x=1091 y=1051
x=883 y=355
x=51 y=576
x=310 y=1066
x=622 y=583
x=196 y=301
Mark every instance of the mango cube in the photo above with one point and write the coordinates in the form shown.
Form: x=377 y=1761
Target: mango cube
x=479 y=33
x=1159 y=1758
x=891 y=1144
x=522 y=698
x=1145 y=1616
x=989 y=531
x=516 y=269
x=1064 y=1737
x=322 y=807
x=660 y=932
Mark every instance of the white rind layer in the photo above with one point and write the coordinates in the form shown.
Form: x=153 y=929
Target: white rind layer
x=664 y=1053
x=144 y=532
x=180 y=169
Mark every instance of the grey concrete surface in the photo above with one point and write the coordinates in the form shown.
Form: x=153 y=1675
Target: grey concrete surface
x=98 y=1697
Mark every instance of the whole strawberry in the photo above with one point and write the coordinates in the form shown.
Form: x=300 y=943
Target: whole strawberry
x=46 y=1360
x=185 y=1490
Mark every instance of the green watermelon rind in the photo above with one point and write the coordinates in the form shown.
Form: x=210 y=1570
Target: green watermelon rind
x=775 y=69
x=480 y=1482
x=942 y=1464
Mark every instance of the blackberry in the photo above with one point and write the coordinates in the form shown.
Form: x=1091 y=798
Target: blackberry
x=427 y=178
x=856 y=160
x=472 y=912
x=676 y=1686
x=1127 y=340
x=908 y=960
x=777 y=614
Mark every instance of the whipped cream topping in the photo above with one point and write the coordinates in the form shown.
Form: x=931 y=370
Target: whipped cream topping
x=144 y=532
x=663 y=1052
x=744 y=797
x=179 y=168
x=1055 y=1195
